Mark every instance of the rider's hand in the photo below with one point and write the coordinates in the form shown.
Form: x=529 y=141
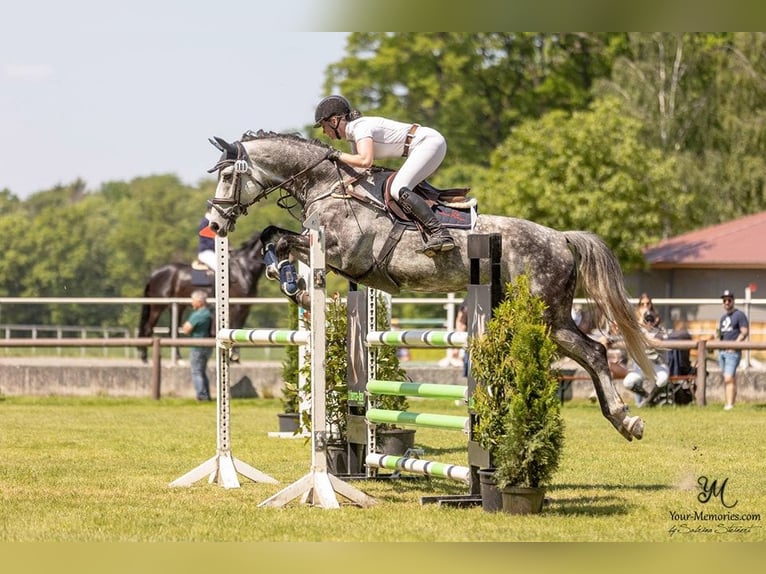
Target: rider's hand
x=333 y=155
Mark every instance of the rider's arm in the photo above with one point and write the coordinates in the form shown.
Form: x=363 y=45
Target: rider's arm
x=364 y=156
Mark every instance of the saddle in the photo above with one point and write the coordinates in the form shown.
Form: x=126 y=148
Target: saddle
x=201 y=274
x=452 y=207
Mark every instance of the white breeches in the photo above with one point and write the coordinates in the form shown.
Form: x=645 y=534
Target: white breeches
x=208 y=258
x=426 y=155
x=636 y=377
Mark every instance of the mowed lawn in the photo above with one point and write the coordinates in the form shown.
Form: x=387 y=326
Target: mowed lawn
x=98 y=469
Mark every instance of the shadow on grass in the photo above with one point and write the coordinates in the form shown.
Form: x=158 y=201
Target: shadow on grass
x=590 y=505
x=596 y=505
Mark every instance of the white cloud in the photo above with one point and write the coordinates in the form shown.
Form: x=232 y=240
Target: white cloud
x=28 y=72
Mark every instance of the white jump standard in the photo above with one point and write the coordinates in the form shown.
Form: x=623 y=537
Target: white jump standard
x=318 y=487
x=223 y=467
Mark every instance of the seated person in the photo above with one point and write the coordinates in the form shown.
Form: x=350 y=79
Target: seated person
x=644 y=390
x=644 y=306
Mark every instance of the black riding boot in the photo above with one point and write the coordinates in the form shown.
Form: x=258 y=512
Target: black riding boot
x=439 y=238
x=652 y=396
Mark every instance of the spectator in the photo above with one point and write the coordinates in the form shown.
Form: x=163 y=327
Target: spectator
x=198 y=326
x=646 y=391
x=645 y=304
x=733 y=326
x=616 y=356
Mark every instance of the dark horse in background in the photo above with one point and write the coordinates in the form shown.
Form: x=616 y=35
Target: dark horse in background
x=175 y=280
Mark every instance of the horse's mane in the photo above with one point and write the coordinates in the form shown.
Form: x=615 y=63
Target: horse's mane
x=250 y=135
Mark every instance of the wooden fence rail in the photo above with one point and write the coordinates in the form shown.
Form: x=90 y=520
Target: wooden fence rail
x=156 y=343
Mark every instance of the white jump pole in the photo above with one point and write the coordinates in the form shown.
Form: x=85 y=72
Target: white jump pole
x=223 y=467
x=318 y=487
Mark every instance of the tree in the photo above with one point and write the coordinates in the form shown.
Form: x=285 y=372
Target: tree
x=701 y=99
x=474 y=87
x=586 y=170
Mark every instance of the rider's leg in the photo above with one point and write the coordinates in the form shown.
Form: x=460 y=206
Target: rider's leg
x=634 y=382
x=439 y=238
x=661 y=377
x=208 y=258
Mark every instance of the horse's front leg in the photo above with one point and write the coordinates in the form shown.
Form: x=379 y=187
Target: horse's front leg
x=591 y=355
x=279 y=259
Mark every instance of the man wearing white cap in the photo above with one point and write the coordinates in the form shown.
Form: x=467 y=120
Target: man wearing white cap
x=733 y=326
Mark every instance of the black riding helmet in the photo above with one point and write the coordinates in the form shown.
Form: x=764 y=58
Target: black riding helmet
x=330 y=107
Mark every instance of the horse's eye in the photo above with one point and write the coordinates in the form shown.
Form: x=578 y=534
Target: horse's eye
x=226 y=177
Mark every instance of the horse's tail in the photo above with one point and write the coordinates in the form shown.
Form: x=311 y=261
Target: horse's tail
x=601 y=278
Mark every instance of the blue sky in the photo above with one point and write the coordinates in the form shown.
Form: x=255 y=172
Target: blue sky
x=110 y=91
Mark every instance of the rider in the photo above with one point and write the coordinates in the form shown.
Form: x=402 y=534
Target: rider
x=424 y=149
x=206 y=245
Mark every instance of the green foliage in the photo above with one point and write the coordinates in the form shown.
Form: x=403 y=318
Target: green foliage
x=628 y=135
x=458 y=82
x=517 y=391
x=290 y=391
x=336 y=368
x=587 y=170
x=388 y=367
x=69 y=242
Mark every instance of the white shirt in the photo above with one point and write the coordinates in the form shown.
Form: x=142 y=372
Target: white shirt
x=388 y=136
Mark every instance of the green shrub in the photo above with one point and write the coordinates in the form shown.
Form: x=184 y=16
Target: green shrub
x=336 y=369
x=290 y=392
x=516 y=400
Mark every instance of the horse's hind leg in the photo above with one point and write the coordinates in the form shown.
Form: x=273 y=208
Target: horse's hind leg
x=591 y=355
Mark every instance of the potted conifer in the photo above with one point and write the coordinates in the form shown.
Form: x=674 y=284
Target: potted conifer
x=518 y=396
x=336 y=386
x=289 y=419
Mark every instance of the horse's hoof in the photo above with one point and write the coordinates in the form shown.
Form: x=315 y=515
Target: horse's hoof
x=634 y=427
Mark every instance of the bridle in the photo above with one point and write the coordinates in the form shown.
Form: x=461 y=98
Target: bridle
x=233 y=207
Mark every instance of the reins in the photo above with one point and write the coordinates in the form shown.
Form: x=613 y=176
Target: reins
x=242 y=167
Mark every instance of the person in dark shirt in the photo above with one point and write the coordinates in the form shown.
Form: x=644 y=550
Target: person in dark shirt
x=733 y=326
x=198 y=326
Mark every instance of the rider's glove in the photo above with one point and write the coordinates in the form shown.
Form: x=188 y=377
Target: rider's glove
x=333 y=155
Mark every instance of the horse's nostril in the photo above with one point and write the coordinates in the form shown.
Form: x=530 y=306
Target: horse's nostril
x=214 y=226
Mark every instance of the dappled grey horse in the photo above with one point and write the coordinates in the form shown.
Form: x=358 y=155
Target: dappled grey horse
x=357 y=231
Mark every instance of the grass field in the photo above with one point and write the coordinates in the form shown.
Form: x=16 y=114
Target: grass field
x=97 y=470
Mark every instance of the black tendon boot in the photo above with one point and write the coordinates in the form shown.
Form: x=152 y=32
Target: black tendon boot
x=439 y=238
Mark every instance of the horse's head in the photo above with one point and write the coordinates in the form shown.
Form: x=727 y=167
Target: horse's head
x=249 y=170
x=238 y=186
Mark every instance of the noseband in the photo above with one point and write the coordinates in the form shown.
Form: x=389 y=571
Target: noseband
x=231 y=208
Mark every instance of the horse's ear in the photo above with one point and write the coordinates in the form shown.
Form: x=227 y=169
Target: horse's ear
x=223 y=145
x=215 y=143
